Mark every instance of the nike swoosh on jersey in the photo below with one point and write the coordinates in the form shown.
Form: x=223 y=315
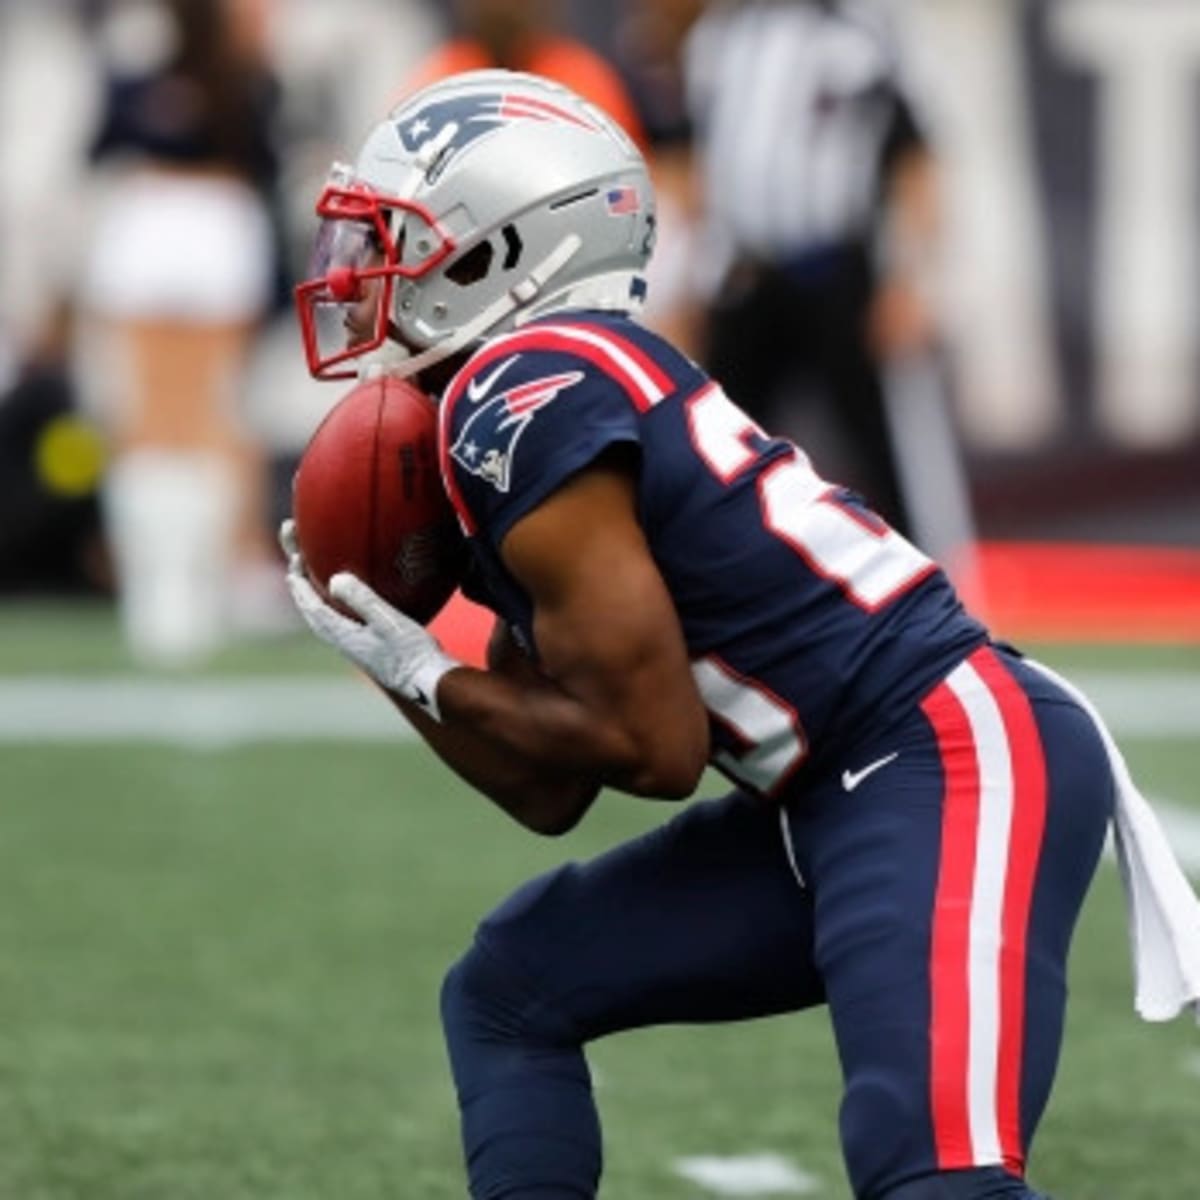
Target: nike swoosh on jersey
x=478 y=388
x=851 y=779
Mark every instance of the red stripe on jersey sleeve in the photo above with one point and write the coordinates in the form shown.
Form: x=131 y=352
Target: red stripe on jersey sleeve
x=638 y=376
x=642 y=380
x=645 y=363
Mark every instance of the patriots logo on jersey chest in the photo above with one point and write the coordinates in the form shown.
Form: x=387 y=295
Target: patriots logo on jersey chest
x=488 y=439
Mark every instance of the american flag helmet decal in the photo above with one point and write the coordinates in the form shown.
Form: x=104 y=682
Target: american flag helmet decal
x=622 y=201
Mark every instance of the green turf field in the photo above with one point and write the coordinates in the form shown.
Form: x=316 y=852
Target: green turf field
x=219 y=977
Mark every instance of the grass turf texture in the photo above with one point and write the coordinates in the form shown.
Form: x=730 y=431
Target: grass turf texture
x=219 y=977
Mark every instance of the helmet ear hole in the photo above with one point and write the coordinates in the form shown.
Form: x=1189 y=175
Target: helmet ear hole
x=473 y=266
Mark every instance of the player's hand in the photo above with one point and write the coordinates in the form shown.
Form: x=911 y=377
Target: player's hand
x=397 y=652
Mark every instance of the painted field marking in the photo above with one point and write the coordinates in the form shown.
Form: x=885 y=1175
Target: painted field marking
x=1182 y=827
x=196 y=713
x=747 y=1175
x=215 y=713
x=1149 y=704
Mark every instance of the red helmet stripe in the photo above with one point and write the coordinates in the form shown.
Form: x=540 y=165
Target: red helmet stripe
x=515 y=106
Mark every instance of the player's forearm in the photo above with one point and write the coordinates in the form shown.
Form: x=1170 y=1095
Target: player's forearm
x=516 y=757
x=533 y=749
x=549 y=728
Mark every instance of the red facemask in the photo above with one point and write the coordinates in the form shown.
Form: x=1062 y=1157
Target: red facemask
x=366 y=241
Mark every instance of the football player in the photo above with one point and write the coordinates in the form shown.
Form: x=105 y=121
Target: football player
x=916 y=811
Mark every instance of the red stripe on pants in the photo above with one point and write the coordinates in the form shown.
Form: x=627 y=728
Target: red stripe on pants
x=1025 y=844
x=949 y=1031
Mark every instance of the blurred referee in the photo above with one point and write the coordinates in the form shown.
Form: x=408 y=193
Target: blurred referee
x=819 y=195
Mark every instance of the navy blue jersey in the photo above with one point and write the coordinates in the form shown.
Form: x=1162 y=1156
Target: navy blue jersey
x=810 y=623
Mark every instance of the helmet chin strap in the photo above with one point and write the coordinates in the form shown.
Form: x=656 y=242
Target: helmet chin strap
x=394 y=359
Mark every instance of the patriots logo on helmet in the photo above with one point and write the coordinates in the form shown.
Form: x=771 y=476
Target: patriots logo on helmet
x=487 y=442
x=470 y=117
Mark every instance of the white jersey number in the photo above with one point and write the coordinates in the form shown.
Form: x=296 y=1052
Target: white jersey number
x=760 y=721
x=871 y=563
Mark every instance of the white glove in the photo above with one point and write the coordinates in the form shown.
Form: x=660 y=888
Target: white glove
x=397 y=652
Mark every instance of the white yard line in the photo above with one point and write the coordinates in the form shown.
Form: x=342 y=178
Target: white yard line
x=196 y=713
x=236 y=710
x=1152 y=704
x=747 y=1175
x=1182 y=827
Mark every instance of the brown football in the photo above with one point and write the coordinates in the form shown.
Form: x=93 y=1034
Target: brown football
x=367 y=497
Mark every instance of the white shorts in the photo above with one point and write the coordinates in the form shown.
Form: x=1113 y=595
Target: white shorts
x=178 y=247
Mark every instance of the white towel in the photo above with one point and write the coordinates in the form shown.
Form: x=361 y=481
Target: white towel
x=1163 y=911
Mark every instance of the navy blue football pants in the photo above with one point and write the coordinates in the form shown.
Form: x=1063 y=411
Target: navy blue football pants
x=941 y=887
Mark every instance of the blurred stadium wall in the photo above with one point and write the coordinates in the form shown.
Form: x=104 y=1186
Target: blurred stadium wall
x=1070 y=130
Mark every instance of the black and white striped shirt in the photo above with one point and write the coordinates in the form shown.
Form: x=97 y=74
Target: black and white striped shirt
x=798 y=107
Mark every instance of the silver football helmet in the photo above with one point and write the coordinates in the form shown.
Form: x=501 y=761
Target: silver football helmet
x=480 y=202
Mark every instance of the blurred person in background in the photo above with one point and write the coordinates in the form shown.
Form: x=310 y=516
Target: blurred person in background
x=821 y=223
x=648 y=50
x=180 y=270
x=323 y=106
x=527 y=35
x=640 y=87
